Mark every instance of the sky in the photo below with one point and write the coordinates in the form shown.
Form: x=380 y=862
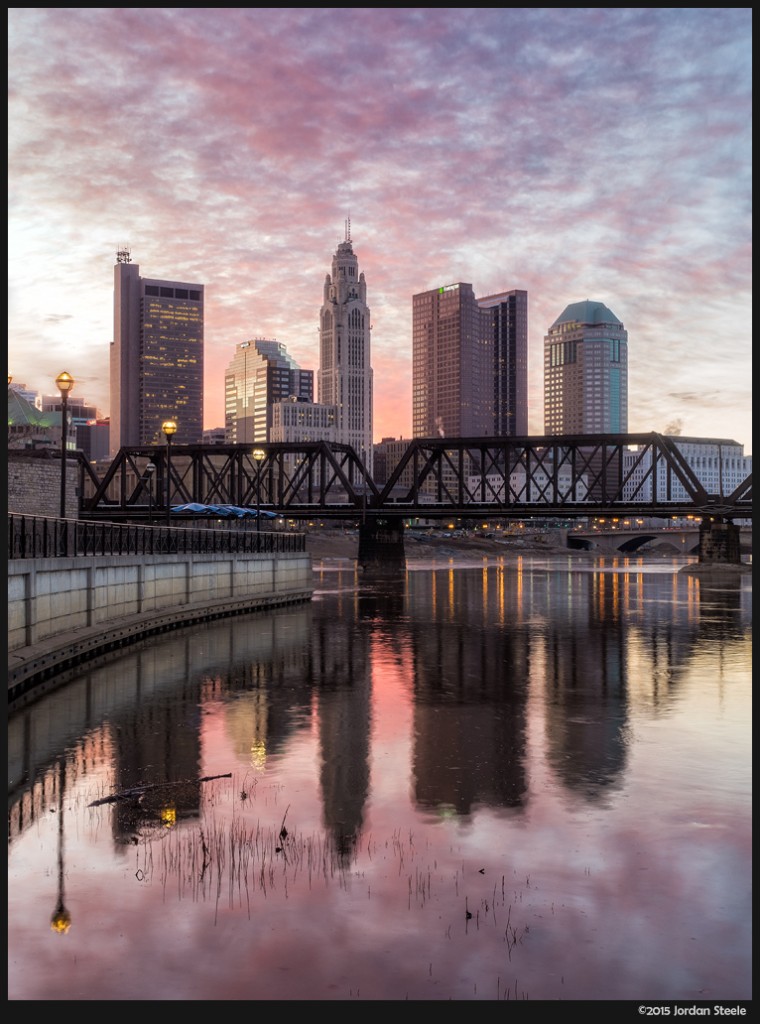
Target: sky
x=576 y=153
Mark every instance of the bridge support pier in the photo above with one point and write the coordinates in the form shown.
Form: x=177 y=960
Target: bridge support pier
x=381 y=544
x=719 y=543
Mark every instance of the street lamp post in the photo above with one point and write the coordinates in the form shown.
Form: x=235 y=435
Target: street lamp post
x=169 y=428
x=150 y=469
x=258 y=456
x=65 y=382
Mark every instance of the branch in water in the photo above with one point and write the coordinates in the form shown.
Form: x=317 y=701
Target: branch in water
x=129 y=794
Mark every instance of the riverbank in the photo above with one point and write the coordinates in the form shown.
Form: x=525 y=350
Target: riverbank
x=325 y=545
x=336 y=545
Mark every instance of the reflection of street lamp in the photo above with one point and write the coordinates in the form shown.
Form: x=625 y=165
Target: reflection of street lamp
x=258 y=456
x=61 y=920
x=150 y=469
x=64 y=382
x=169 y=428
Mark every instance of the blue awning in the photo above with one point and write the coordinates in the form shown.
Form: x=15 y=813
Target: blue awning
x=222 y=511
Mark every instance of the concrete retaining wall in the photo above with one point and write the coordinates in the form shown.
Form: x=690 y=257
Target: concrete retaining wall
x=54 y=596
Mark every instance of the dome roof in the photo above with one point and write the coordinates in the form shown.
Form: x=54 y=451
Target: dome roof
x=587 y=312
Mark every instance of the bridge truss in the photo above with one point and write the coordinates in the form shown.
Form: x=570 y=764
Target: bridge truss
x=568 y=476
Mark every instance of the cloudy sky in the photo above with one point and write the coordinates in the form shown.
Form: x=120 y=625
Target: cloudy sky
x=577 y=153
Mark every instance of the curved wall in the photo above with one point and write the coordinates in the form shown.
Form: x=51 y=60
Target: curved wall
x=62 y=611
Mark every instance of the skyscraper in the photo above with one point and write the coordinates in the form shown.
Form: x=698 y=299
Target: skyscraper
x=344 y=378
x=586 y=372
x=260 y=375
x=452 y=364
x=507 y=322
x=156 y=358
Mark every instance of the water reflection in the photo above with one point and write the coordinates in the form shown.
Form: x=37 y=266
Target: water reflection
x=586 y=673
x=468 y=642
x=340 y=676
x=156 y=752
x=61 y=919
x=483 y=694
x=470 y=685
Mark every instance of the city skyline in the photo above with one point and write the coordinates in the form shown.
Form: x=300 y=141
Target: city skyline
x=579 y=154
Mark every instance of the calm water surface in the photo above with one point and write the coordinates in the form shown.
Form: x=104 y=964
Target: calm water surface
x=515 y=779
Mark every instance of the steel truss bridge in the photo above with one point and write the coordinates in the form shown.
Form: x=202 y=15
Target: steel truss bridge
x=518 y=477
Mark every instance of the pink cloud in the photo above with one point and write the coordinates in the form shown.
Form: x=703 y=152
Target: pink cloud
x=510 y=148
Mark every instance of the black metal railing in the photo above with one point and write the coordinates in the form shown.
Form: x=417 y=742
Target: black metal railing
x=48 y=537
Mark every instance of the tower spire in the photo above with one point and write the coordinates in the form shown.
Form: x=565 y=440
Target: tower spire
x=344 y=379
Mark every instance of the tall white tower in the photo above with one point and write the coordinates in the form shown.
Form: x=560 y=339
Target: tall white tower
x=344 y=378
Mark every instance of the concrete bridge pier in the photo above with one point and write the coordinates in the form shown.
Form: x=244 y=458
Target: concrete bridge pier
x=719 y=543
x=381 y=544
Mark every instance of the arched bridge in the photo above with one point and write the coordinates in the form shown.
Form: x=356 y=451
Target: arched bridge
x=568 y=476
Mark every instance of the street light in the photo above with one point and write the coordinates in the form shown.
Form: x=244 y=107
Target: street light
x=169 y=428
x=150 y=469
x=65 y=382
x=258 y=455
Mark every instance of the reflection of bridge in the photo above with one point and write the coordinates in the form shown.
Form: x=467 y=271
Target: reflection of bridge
x=570 y=477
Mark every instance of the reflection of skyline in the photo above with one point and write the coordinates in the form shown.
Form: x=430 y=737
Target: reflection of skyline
x=267 y=671
x=586 y=683
x=340 y=674
x=584 y=625
x=156 y=743
x=605 y=641
x=470 y=685
x=141 y=709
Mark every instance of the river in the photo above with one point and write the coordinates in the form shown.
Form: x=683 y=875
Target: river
x=510 y=778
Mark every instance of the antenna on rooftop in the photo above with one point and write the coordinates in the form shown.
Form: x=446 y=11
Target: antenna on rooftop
x=348 y=228
x=123 y=254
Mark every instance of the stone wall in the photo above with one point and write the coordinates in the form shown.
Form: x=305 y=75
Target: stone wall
x=34 y=484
